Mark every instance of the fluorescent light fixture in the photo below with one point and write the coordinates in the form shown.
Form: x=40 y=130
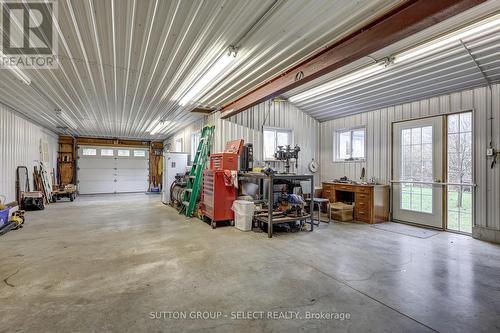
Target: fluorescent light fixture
x=159 y=127
x=449 y=39
x=208 y=77
x=66 y=119
x=357 y=75
x=17 y=72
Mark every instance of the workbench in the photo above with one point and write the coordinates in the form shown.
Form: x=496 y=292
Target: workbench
x=270 y=219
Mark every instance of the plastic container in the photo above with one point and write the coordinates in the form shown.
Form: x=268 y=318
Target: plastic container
x=243 y=214
x=4 y=216
x=249 y=189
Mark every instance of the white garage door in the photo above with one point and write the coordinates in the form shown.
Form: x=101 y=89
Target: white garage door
x=112 y=170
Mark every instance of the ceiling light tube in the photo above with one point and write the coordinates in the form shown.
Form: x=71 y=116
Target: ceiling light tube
x=448 y=39
x=209 y=76
x=360 y=74
x=66 y=119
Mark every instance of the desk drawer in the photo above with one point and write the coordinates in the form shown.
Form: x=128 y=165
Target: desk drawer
x=363 y=189
x=362 y=214
x=327 y=189
x=363 y=204
x=344 y=188
x=363 y=197
x=328 y=192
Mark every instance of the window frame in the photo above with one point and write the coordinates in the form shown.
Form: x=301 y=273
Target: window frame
x=336 y=144
x=95 y=150
x=121 y=149
x=178 y=139
x=194 y=146
x=101 y=149
x=276 y=130
x=139 y=156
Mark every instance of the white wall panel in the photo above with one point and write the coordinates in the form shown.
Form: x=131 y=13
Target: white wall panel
x=248 y=126
x=378 y=159
x=185 y=134
x=20 y=146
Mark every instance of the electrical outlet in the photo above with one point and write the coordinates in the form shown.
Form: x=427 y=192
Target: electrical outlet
x=490 y=152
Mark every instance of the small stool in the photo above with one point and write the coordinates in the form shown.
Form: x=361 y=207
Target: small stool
x=319 y=202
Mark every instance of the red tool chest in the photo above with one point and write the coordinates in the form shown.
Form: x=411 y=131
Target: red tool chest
x=228 y=160
x=217 y=196
x=224 y=161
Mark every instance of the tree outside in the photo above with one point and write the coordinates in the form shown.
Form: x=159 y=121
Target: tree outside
x=460 y=171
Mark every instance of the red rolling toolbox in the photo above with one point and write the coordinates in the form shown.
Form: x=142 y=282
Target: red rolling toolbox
x=217 y=196
x=218 y=192
x=228 y=160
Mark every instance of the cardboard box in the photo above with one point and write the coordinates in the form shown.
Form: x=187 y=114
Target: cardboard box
x=342 y=212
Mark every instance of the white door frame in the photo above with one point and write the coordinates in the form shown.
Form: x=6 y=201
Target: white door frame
x=436 y=219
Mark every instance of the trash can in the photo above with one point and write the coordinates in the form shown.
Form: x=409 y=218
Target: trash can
x=243 y=214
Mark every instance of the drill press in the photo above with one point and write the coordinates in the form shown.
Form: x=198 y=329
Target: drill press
x=286 y=154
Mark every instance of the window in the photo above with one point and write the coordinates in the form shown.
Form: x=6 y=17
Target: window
x=417 y=166
x=460 y=172
x=89 y=152
x=123 y=152
x=195 y=141
x=178 y=145
x=273 y=138
x=350 y=145
x=107 y=152
x=139 y=153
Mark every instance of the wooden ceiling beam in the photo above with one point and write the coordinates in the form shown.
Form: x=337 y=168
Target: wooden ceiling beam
x=411 y=17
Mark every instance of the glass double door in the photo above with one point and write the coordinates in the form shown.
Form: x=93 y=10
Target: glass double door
x=432 y=172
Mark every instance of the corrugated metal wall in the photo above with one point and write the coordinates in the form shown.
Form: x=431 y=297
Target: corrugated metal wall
x=20 y=146
x=248 y=126
x=185 y=134
x=378 y=160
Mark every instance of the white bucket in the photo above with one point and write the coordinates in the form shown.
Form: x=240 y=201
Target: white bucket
x=243 y=214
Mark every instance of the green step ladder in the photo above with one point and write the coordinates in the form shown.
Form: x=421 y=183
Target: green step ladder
x=194 y=180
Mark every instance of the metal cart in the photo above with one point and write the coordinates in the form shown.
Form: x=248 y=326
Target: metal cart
x=270 y=219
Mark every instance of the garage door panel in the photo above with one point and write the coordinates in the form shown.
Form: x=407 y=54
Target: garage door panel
x=120 y=179
x=131 y=163
x=116 y=174
x=96 y=175
x=96 y=187
x=96 y=163
x=131 y=186
x=136 y=173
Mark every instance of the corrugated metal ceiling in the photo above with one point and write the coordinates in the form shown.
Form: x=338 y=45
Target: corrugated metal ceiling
x=124 y=64
x=447 y=70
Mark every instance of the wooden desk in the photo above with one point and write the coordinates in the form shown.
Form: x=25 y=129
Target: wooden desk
x=371 y=202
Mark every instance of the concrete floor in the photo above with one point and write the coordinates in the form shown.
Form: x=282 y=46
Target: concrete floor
x=110 y=263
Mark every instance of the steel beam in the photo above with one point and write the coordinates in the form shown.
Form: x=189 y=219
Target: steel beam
x=411 y=17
